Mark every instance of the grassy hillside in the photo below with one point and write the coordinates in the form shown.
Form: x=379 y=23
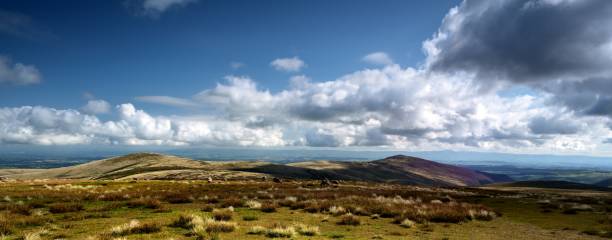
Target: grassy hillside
x=396 y=169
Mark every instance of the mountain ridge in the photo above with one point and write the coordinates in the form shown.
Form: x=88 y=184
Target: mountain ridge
x=394 y=169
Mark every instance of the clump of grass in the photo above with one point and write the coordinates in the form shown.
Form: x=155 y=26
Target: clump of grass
x=210 y=225
x=349 y=219
x=207 y=208
x=257 y=230
x=281 y=232
x=250 y=218
x=223 y=214
x=407 y=223
x=269 y=207
x=252 y=204
x=145 y=203
x=482 y=214
x=179 y=198
x=134 y=227
x=65 y=207
x=182 y=222
x=307 y=230
x=202 y=226
x=6 y=225
x=232 y=202
x=337 y=210
x=21 y=209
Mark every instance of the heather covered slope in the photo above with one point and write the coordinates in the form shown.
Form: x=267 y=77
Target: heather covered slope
x=395 y=169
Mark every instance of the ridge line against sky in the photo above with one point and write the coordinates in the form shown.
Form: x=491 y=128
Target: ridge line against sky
x=529 y=76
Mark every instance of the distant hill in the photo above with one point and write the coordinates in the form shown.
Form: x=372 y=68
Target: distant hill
x=605 y=183
x=395 y=169
x=554 y=185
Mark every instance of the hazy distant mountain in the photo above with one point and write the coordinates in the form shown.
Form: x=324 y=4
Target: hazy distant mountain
x=605 y=183
x=554 y=185
x=395 y=169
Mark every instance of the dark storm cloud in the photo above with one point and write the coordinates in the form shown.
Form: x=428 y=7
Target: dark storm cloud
x=541 y=125
x=562 y=47
x=318 y=139
x=526 y=41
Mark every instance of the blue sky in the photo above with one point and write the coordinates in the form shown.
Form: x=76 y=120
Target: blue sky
x=527 y=76
x=97 y=46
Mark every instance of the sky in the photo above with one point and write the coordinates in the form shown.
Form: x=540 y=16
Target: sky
x=523 y=76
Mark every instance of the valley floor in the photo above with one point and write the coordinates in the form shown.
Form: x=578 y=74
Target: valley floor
x=65 y=209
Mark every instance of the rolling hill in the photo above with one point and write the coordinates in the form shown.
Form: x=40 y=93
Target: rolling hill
x=396 y=169
x=605 y=183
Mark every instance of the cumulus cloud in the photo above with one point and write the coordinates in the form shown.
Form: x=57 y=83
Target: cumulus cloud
x=453 y=101
x=96 y=107
x=18 y=73
x=167 y=100
x=293 y=64
x=49 y=126
x=378 y=58
x=561 y=47
x=155 y=8
x=399 y=107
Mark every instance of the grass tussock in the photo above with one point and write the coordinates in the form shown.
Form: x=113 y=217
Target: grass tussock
x=65 y=207
x=349 y=219
x=281 y=232
x=148 y=203
x=252 y=204
x=134 y=227
x=223 y=214
x=250 y=218
x=269 y=207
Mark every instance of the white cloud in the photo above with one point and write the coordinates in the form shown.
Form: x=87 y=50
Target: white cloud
x=48 y=126
x=167 y=100
x=378 y=58
x=392 y=107
x=96 y=107
x=18 y=73
x=155 y=8
x=293 y=64
x=236 y=65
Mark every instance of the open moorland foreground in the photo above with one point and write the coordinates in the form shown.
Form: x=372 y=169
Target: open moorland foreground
x=296 y=209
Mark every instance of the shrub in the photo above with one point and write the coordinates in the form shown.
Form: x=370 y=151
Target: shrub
x=249 y=218
x=65 y=207
x=222 y=214
x=145 y=203
x=269 y=207
x=349 y=219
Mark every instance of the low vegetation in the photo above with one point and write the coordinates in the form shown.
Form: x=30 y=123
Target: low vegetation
x=104 y=210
